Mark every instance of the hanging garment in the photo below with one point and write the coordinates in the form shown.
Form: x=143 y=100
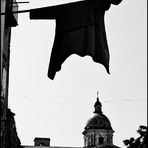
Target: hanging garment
x=80 y=29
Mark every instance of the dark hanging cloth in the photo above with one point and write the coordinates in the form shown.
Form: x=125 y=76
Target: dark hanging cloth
x=80 y=30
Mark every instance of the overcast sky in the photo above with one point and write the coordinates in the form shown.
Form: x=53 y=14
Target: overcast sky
x=59 y=108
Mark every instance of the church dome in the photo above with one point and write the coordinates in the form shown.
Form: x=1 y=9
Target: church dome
x=99 y=121
x=98 y=131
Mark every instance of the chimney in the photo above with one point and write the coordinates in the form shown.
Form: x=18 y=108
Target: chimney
x=41 y=141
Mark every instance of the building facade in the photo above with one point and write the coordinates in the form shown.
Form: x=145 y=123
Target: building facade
x=9 y=138
x=98 y=132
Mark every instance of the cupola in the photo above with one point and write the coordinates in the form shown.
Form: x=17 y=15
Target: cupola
x=98 y=130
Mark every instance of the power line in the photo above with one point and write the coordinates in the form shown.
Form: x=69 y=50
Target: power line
x=55 y=101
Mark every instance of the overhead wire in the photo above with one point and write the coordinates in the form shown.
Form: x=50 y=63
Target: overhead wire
x=56 y=101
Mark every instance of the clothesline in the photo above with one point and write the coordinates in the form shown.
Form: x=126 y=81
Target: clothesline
x=25 y=11
x=20 y=11
x=28 y=10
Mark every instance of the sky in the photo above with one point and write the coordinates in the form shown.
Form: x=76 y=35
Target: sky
x=59 y=109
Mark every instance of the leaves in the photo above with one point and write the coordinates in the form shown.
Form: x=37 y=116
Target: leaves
x=140 y=142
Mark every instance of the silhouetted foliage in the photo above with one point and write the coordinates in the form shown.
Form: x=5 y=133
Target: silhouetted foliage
x=140 y=142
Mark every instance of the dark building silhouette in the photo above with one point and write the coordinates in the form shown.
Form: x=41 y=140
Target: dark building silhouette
x=9 y=138
x=12 y=139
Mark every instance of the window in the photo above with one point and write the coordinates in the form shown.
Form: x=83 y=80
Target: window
x=101 y=140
